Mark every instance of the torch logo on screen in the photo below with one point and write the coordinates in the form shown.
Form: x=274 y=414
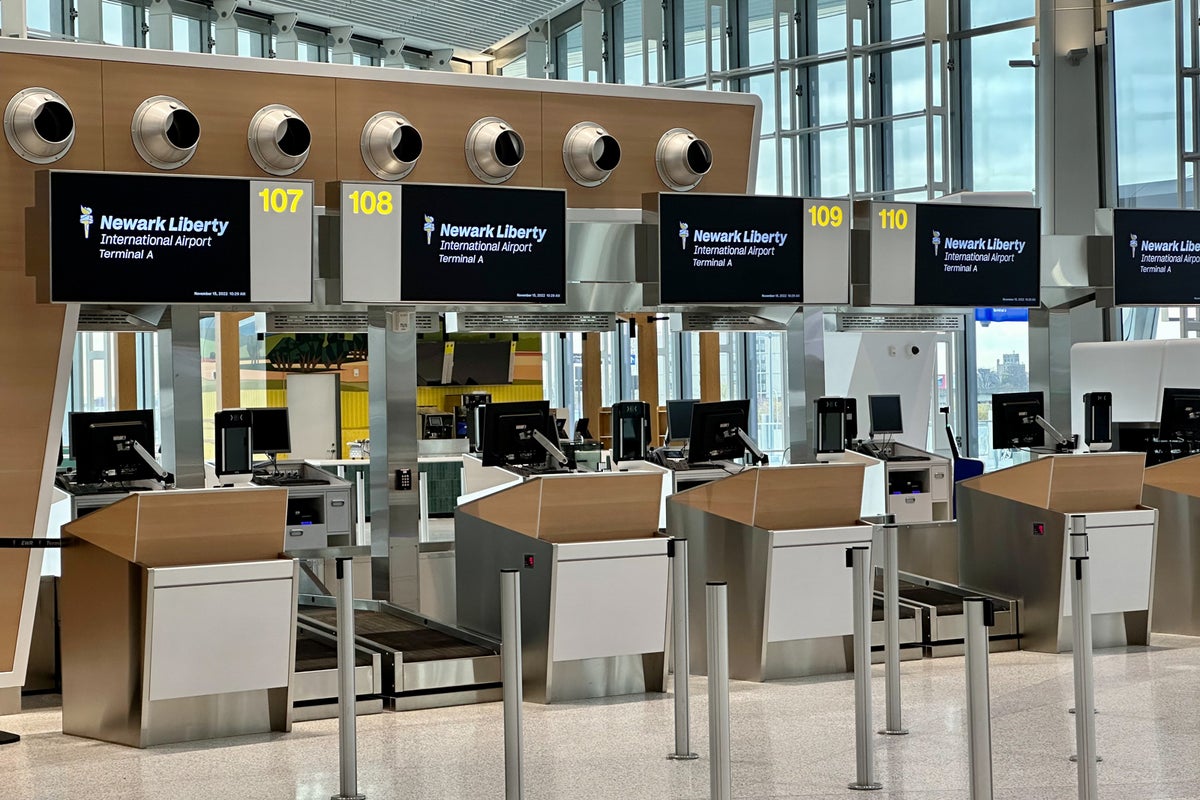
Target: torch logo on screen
x=428 y=228
x=937 y=241
x=86 y=220
x=1133 y=245
x=683 y=235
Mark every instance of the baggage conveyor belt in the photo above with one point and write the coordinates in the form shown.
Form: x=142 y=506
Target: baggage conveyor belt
x=939 y=606
x=423 y=663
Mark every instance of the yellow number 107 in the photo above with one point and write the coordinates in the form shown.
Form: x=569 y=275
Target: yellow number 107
x=281 y=201
x=825 y=216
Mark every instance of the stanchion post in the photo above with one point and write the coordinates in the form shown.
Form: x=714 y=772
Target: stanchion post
x=716 y=603
x=859 y=560
x=512 y=675
x=360 y=530
x=347 y=721
x=1085 y=700
x=891 y=621
x=680 y=656
x=980 y=615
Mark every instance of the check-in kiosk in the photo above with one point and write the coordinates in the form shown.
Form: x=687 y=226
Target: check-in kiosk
x=778 y=536
x=178 y=618
x=1014 y=542
x=594 y=576
x=1174 y=489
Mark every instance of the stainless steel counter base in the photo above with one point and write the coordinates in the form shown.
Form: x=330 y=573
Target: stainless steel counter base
x=1012 y=549
x=748 y=558
x=484 y=548
x=1177 y=562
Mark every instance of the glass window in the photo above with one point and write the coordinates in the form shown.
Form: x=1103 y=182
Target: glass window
x=693 y=36
x=250 y=43
x=515 y=68
x=631 y=44
x=1001 y=358
x=977 y=13
x=568 y=54
x=1144 y=79
x=830 y=30
x=906 y=150
x=832 y=163
x=830 y=94
x=760 y=33
x=904 y=88
x=1000 y=152
x=901 y=18
x=768 y=392
x=44 y=16
x=186 y=35
x=308 y=51
x=118 y=23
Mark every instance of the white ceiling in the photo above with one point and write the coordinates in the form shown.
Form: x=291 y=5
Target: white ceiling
x=468 y=27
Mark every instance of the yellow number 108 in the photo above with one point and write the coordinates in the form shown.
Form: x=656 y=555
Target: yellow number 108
x=371 y=203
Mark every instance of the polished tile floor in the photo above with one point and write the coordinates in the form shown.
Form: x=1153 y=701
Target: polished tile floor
x=791 y=739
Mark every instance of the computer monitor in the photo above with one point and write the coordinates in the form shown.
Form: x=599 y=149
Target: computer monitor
x=101 y=443
x=885 y=413
x=1014 y=420
x=679 y=419
x=714 y=431
x=508 y=428
x=270 y=432
x=1180 y=418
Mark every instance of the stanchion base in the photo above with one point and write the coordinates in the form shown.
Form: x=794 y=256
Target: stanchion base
x=684 y=757
x=1071 y=710
x=901 y=732
x=1075 y=759
x=865 y=787
x=9 y=738
x=348 y=797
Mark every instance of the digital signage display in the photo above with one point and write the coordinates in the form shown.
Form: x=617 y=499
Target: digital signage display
x=1156 y=257
x=125 y=238
x=453 y=245
x=977 y=256
x=952 y=255
x=752 y=250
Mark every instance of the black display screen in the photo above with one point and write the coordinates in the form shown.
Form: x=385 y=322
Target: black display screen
x=470 y=244
x=977 y=256
x=730 y=249
x=1156 y=257
x=146 y=239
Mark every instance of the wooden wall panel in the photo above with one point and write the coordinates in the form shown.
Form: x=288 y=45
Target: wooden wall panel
x=224 y=101
x=710 y=367
x=638 y=124
x=78 y=81
x=443 y=115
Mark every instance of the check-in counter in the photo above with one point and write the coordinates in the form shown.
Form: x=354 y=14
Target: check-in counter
x=178 y=617
x=778 y=536
x=594 y=577
x=1174 y=489
x=1014 y=541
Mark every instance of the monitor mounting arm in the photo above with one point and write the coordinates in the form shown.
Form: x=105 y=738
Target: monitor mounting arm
x=551 y=448
x=163 y=476
x=1062 y=443
x=756 y=456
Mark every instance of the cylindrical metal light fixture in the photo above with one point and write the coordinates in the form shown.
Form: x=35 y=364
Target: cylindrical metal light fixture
x=494 y=150
x=39 y=125
x=279 y=139
x=590 y=154
x=683 y=159
x=165 y=132
x=390 y=145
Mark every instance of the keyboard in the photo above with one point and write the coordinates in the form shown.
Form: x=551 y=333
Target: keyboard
x=907 y=458
x=282 y=480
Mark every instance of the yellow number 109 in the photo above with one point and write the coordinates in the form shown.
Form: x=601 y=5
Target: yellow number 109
x=825 y=216
x=281 y=201
x=371 y=203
